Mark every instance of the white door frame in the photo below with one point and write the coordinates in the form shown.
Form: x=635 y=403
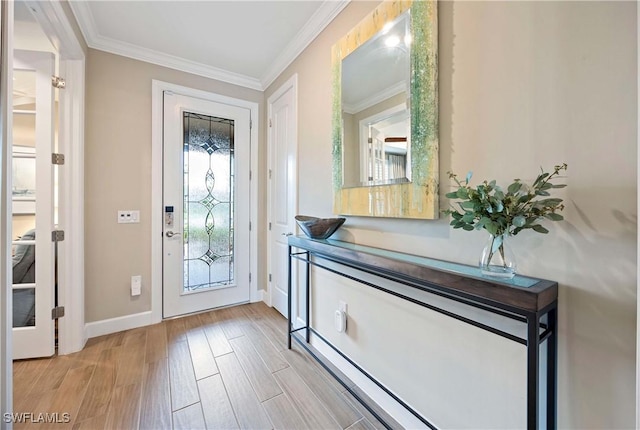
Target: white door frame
x=56 y=25
x=157 y=89
x=292 y=82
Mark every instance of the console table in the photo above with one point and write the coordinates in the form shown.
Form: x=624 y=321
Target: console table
x=533 y=302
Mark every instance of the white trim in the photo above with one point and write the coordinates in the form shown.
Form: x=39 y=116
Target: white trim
x=637 y=236
x=312 y=28
x=291 y=83
x=6 y=299
x=375 y=98
x=71 y=333
x=157 y=88
x=56 y=25
x=114 y=325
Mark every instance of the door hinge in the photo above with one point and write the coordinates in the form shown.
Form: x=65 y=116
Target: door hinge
x=269 y=226
x=250 y=174
x=270 y=125
x=269 y=173
x=250 y=124
x=249 y=225
x=269 y=277
x=58 y=82
x=57 y=235
x=57 y=312
x=57 y=159
x=249 y=277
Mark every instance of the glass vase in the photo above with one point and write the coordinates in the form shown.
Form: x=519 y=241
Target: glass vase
x=497 y=259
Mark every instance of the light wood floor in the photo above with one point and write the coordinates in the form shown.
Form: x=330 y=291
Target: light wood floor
x=224 y=369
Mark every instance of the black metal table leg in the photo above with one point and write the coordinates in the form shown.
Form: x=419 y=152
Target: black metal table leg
x=308 y=289
x=552 y=369
x=533 y=364
x=290 y=325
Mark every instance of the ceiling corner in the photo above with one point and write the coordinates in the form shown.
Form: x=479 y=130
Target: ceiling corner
x=314 y=26
x=85 y=21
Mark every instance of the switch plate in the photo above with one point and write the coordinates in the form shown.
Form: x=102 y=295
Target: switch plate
x=128 y=217
x=342 y=306
x=136 y=285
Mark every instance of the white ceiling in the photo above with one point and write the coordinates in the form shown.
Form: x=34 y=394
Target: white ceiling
x=247 y=43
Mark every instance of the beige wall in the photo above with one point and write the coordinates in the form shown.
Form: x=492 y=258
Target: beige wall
x=522 y=85
x=118 y=176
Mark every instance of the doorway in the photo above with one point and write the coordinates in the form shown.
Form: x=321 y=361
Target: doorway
x=161 y=206
x=282 y=191
x=206 y=205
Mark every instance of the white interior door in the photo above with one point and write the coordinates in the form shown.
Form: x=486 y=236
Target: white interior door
x=206 y=205
x=282 y=188
x=33 y=205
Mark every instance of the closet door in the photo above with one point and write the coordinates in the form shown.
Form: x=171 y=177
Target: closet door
x=33 y=205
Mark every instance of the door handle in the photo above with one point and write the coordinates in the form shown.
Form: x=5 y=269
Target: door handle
x=286 y=234
x=171 y=233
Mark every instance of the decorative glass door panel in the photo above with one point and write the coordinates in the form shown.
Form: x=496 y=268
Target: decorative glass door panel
x=208 y=201
x=206 y=195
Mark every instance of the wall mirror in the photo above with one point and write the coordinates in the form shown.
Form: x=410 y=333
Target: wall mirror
x=385 y=114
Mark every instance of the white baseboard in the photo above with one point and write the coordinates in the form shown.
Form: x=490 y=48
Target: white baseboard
x=114 y=325
x=260 y=296
x=382 y=399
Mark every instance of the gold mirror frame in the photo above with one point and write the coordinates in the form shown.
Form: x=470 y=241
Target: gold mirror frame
x=418 y=198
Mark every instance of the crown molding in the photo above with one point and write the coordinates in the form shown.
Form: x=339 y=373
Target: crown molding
x=375 y=98
x=96 y=41
x=313 y=27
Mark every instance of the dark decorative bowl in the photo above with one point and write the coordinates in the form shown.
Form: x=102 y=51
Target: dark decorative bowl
x=319 y=228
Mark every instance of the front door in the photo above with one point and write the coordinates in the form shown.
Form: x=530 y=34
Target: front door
x=32 y=205
x=205 y=204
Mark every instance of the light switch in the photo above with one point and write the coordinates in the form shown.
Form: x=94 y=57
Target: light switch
x=136 y=285
x=128 y=217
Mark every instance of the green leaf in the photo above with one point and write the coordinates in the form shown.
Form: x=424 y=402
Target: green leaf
x=452 y=195
x=559 y=186
x=492 y=228
x=542 y=193
x=467 y=205
x=540 y=229
x=519 y=221
x=469 y=175
x=468 y=217
x=467 y=227
x=462 y=193
x=514 y=188
x=554 y=216
x=540 y=179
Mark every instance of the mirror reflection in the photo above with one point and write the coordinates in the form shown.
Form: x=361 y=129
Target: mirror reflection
x=375 y=108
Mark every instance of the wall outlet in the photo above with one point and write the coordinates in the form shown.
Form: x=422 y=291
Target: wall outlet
x=128 y=217
x=136 y=285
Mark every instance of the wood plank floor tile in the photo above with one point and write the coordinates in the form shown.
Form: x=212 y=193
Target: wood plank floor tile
x=330 y=396
x=283 y=414
x=124 y=411
x=268 y=352
x=247 y=408
x=311 y=409
x=162 y=376
x=215 y=336
x=95 y=423
x=184 y=391
x=72 y=390
x=203 y=362
x=363 y=424
x=259 y=375
x=155 y=410
x=130 y=368
x=156 y=348
x=101 y=385
x=176 y=330
x=231 y=327
x=218 y=412
x=189 y=418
